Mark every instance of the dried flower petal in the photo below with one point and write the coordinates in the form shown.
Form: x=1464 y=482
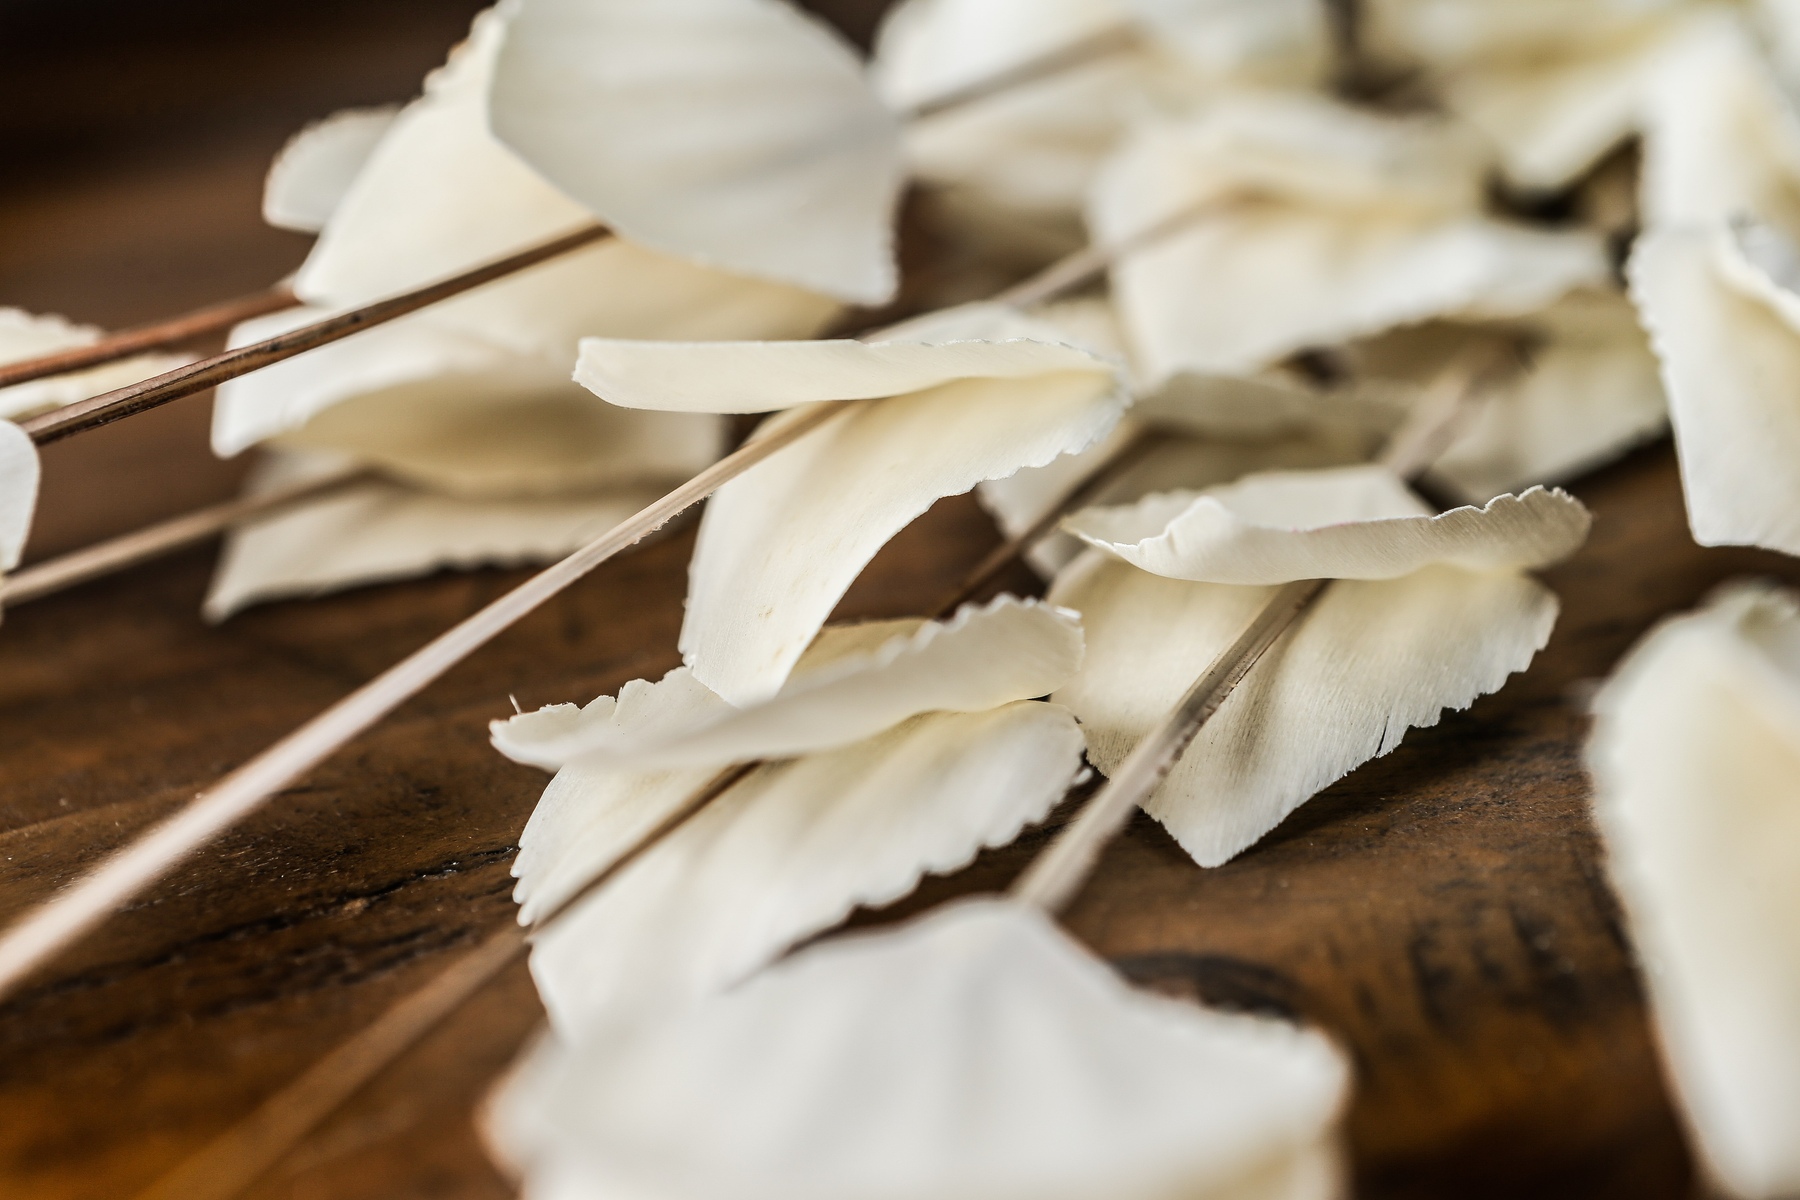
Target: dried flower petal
x=978 y=1052
x=853 y=682
x=18 y=492
x=26 y=335
x=1695 y=751
x=1347 y=523
x=781 y=544
x=1726 y=333
x=792 y=850
x=1329 y=225
x=308 y=179
x=439 y=195
x=736 y=133
x=380 y=531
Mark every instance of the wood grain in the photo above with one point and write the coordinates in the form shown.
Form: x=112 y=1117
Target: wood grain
x=1442 y=910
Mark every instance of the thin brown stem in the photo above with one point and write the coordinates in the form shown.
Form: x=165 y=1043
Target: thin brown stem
x=1013 y=549
x=210 y=372
x=52 y=926
x=164 y=537
x=1057 y=874
x=159 y=335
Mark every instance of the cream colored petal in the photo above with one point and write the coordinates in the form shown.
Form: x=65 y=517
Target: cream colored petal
x=1695 y=754
x=929 y=48
x=455 y=414
x=750 y=377
x=26 y=335
x=309 y=177
x=781 y=544
x=1268 y=41
x=852 y=683
x=1725 y=358
x=1447 y=33
x=1020 y=501
x=1592 y=392
x=736 y=133
x=1369 y=661
x=1344 y=523
x=1720 y=136
x=19 y=473
x=381 y=531
x=1247 y=289
x=978 y=1052
x=1553 y=121
x=439 y=195
x=792 y=850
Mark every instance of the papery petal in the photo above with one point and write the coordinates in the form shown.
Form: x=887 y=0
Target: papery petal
x=781 y=544
x=309 y=177
x=977 y=1052
x=379 y=531
x=1344 y=523
x=1695 y=751
x=736 y=133
x=1341 y=228
x=454 y=413
x=26 y=335
x=1589 y=391
x=793 y=849
x=1022 y=500
x=1367 y=662
x=1727 y=357
x=1720 y=138
x=750 y=377
x=1269 y=41
x=19 y=472
x=439 y=195
x=853 y=682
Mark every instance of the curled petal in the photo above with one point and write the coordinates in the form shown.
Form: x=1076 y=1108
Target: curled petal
x=1347 y=523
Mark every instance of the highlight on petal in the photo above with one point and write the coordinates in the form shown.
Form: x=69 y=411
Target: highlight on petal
x=751 y=377
x=977 y=1051
x=792 y=850
x=1346 y=523
x=452 y=412
x=1327 y=225
x=1262 y=41
x=309 y=177
x=737 y=133
x=440 y=195
x=19 y=472
x=380 y=531
x=1694 y=753
x=26 y=335
x=1370 y=660
x=1728 y=344
x=852 y=683
x=781 y=544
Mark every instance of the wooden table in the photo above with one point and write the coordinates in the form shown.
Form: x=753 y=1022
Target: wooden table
x=1442 y=910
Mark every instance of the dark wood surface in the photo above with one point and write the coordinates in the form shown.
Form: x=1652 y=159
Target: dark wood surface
x=1442 y=911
